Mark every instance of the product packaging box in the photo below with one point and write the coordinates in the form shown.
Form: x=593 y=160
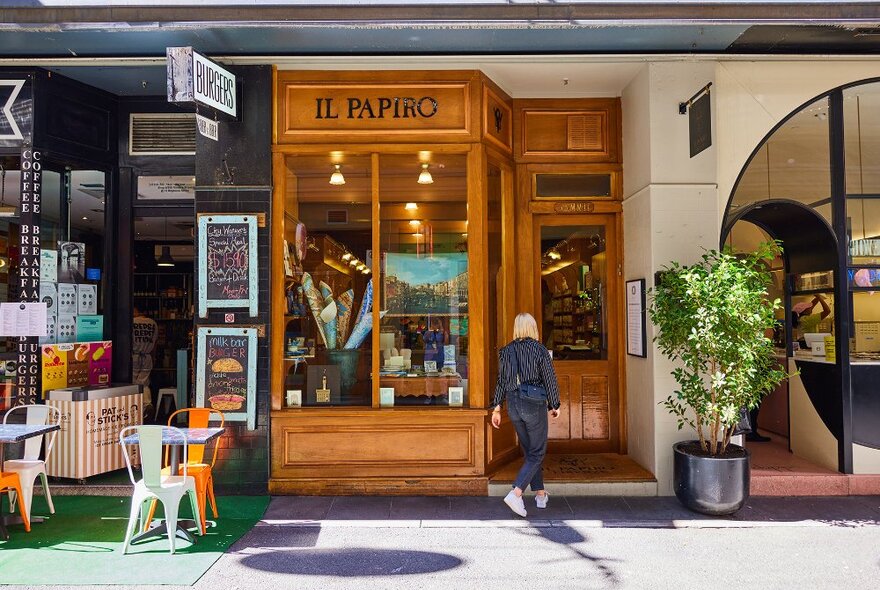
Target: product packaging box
x=67 y=299
x=54 y=367
x=66 y=330
x=48 y=266
x=89 y=327
x=87 y=300
x=88 y=443
x=100 y=362
x=78 y=365
x=49 y=296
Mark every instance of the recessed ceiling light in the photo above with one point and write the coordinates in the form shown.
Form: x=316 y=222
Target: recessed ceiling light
x=411 y=207
x=85 y=218
x=415 y=222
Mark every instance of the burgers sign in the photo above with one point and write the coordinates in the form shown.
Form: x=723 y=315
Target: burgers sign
x=226 y=375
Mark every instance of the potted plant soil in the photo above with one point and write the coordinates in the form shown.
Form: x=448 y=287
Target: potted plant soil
x=713 y=318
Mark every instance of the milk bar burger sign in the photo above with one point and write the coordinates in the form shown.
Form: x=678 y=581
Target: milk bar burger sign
x=193 y=78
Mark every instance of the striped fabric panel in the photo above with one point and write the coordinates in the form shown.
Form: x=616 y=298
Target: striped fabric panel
x=535 y=368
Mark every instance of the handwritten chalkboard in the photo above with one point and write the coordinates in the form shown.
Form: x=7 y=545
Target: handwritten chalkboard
x=227 y=262
x=226 y=372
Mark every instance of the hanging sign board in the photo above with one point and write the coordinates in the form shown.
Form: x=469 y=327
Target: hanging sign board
x=700 y=124
x=226 y=372
x=636 y=345
x=151 y=188
x=193 y=78
x=227 y=262
x=207 y=127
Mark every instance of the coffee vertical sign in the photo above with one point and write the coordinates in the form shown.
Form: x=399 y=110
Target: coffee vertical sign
x=28 y=281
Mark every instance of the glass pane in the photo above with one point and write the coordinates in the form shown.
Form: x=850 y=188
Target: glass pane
x=573 y=286
x=862 y=137
x=793 y=164
x=572 y=185
x=423 y=232
x=328 y=266
x=865 y=342
x=163 y=297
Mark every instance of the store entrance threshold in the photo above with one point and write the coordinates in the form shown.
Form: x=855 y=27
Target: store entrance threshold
x=597 y=474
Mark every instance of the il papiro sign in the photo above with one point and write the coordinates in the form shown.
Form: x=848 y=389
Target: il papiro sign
x=193 y=78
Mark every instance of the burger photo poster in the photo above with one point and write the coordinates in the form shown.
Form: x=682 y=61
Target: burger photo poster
x=226 y=376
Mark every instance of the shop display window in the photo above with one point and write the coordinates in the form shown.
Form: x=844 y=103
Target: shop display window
x=423 y=335
x=328 y=281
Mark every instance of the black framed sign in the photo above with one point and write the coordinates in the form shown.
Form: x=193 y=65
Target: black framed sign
x=636 y=344
x=227 y=262
x=226 y=372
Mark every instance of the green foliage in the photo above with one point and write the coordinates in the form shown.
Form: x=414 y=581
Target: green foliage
x=712 y=319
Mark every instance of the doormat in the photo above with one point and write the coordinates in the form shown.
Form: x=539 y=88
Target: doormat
x=81 y=544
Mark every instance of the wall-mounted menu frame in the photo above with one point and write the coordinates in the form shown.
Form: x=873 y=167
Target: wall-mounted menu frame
x=636 y=344
x=226 y=372
x=228 y=271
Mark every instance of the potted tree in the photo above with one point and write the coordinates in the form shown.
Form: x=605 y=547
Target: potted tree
x=713 y=317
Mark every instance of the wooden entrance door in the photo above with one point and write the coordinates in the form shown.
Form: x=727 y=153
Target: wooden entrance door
x=577 y=297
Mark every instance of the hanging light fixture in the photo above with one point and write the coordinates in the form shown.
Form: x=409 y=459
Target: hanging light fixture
x=415 y=222
x=411 y=207
x=337 y=179
x=425 y=175
x=165 y=258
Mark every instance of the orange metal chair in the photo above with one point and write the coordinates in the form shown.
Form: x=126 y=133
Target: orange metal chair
x=196 y=465
x=9 y=481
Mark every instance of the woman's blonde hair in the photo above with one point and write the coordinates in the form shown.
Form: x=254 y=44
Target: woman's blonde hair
x=525 y=326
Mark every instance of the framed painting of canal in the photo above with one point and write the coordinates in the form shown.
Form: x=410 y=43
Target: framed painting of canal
x=226 y=372
x=227 y=262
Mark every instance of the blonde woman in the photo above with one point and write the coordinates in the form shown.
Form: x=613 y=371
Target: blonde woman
x=527 y=381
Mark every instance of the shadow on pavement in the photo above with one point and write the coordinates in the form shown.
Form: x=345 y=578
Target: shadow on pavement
x=351 y=562
x=568 y=537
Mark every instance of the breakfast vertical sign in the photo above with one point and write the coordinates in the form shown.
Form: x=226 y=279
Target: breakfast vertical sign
x=226 y=377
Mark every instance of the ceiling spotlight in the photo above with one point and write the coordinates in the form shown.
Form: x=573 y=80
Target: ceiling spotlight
x=360 y=266
x=337 y=179
x=85 y=218
x=415 y=222
x=165 y=259
x=425 y=176
x=411 y=207
x=366 y=271
x=418 y=235
x=346 y=256
x=464 y=235
x=354 y=262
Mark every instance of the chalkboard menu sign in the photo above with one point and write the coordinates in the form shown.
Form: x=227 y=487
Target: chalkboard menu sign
x=227 y=262
x=226 y=372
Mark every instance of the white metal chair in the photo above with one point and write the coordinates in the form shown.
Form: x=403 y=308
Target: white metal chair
x=168 y=489
x=30 y=466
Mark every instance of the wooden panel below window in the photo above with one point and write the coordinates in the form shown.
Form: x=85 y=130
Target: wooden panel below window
x=561 y=427
x=595 y=410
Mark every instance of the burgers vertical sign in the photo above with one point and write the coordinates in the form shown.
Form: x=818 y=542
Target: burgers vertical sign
x=226 y=375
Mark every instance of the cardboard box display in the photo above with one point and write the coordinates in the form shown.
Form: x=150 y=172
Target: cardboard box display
x=86 y=299
x=67 y=299
x=66 y=329
x=100 y=362
x=89 y=328
x=78 y=365
x=88 y=442
x=54 y=372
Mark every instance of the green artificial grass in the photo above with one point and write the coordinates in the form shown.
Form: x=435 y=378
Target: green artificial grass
x=82 y=543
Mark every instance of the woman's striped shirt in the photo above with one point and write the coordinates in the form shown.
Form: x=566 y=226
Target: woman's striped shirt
x=535 y=368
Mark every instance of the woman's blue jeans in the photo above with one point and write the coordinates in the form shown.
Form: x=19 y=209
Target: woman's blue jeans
x=529 y=418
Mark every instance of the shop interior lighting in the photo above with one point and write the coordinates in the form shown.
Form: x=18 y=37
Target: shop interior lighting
x=415 y=222
x=337 y=179
x=165 y=259
x=360 y=266
x=354 y=262
x=366 y=271
x=411 y=207
x=418 y=234
x=346 y=256
x=425 y=175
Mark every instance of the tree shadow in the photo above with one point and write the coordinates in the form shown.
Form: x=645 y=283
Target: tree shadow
x=567 y=537
x=351 y=562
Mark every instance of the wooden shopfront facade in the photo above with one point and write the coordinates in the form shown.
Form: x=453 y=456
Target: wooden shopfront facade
x=421 y=212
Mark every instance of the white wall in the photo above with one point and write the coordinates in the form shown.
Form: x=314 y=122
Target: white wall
x=670 y=214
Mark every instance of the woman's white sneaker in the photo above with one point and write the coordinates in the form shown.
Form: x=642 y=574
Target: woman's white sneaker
x=541 y=501
x=515 y=503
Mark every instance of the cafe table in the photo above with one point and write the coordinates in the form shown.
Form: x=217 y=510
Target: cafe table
x=174 y=439
x=14 y=433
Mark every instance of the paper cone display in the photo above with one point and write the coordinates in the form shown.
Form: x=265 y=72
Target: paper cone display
x=328 y=316
x=344 y=304
x=313 y=296
x=361 y=331
x=366 y=303
x=326 y=291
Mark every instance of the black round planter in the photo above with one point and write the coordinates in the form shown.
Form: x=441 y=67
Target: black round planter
x=711 y=485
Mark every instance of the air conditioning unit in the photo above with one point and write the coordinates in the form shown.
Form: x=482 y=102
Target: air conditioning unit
x=162 y=134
